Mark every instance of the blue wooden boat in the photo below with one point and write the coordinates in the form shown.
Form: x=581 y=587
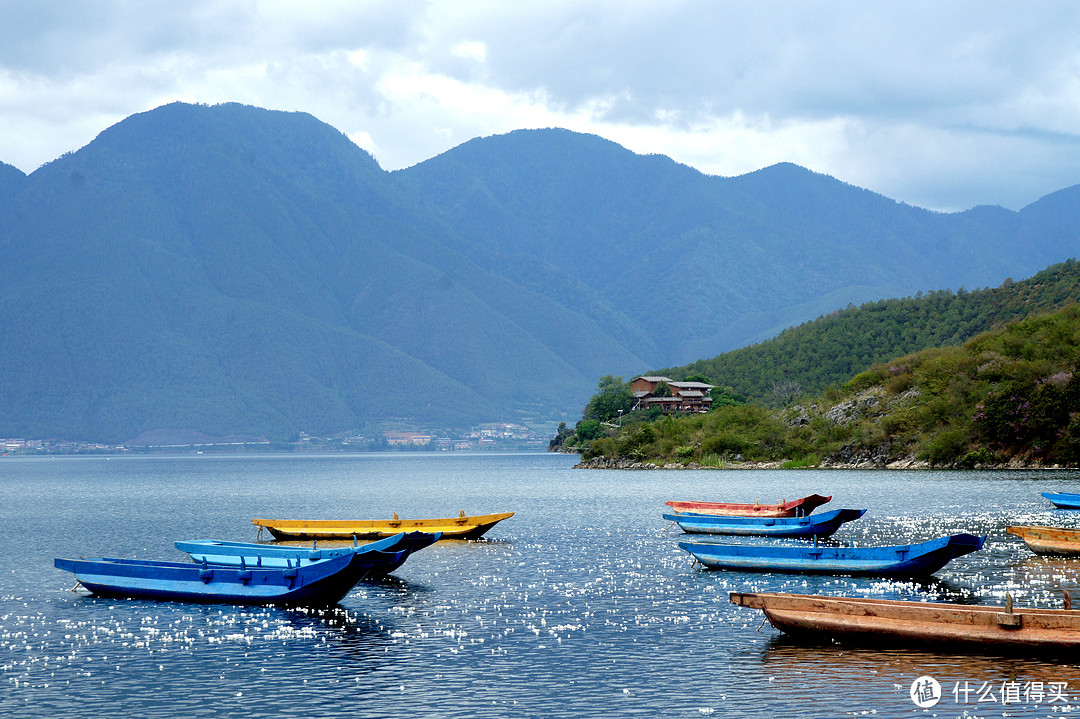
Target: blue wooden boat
x=1063 y=500
x=318 y=584
x=822 y=524
x=382 y=557
x=898 y=561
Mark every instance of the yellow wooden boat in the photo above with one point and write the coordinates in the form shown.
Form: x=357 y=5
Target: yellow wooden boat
x=459 y=527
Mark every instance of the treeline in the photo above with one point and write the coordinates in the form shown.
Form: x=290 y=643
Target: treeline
x=808 y=358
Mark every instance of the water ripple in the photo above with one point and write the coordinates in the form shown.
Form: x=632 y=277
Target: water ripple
x=580 y=606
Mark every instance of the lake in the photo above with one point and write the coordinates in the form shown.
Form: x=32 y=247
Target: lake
x=581 y=605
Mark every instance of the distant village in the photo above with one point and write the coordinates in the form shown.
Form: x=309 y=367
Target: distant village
x=485 y=437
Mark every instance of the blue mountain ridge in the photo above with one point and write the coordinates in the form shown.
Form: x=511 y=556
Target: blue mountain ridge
x=234 y=270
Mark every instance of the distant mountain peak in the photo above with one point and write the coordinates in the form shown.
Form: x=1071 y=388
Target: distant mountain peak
x=230 y=128
x=547 y=149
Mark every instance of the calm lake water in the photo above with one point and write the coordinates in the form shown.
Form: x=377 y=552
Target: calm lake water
x=581 y=605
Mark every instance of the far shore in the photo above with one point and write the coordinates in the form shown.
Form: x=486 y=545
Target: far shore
x=905 y=463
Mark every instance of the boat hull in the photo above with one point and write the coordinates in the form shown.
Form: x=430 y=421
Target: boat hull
x=461 y=527
x=1049 y=541
x=322 y=584
x=1063 y=500
x=274 y=556
x=823 y=524
x=884 y=621
x=794 y=508
x=900 y=561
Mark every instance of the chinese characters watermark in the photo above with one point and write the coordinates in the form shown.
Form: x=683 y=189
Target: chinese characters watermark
x=926 y=692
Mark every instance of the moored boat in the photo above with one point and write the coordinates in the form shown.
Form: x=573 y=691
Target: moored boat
x=460 y=527
x=381 y=557
x=794 y=508
x=317 y=584
x=1063 y=500
x=823 y=524
x=898 y=561
x=950 y=626
x=1049 y=541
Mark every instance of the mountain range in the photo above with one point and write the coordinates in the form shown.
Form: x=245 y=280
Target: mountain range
x=234 y=270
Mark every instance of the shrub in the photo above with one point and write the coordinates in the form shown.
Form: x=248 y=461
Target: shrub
x=810 y=460
x=946 y=447
x=729 y=442
x=590 y=429
x=603 y=447
x=899 y=383
x=982 y=455
x=865 y=380
x=685 y=451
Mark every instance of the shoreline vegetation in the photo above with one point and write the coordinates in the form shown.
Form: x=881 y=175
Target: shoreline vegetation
x=901 y=464
x=1004 y=399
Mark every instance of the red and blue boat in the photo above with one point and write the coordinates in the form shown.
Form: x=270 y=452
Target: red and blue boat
x=794 y=508
x=822 y=524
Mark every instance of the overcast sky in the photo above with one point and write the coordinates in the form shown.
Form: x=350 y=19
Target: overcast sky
x=940 y=104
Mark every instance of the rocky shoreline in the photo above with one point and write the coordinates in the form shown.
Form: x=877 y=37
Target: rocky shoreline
x=854 y=463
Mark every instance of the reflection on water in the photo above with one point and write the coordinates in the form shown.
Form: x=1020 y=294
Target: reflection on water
x=970 y=684
x=581 y=605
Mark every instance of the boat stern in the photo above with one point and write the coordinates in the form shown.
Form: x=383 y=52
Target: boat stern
x=746 y=599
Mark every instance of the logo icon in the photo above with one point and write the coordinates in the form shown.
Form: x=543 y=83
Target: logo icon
x=925 y=692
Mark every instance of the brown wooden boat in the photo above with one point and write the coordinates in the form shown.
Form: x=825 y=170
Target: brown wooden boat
x=1050 y=541
x=886 y=621
x=794 y=508
x=459 y=527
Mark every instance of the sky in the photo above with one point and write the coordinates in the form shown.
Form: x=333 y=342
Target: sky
x=944 y=105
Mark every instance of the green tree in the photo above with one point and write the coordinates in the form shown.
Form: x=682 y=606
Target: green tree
x=561 y=436
x=697 y=378
x=612 y=399
x=723 y=396
x=590 y=429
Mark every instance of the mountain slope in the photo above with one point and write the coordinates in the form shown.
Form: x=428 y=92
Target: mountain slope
x=723 y=261
x=11 y=180
x=235 y=270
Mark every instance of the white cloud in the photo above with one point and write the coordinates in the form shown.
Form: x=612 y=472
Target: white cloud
x=472 y=50
x=944 y=105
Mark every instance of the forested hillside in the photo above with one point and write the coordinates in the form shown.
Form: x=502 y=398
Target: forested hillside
x=1010 y=396
x=830 y=350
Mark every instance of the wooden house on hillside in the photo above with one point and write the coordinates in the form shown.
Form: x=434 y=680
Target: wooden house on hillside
x=678 y=397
